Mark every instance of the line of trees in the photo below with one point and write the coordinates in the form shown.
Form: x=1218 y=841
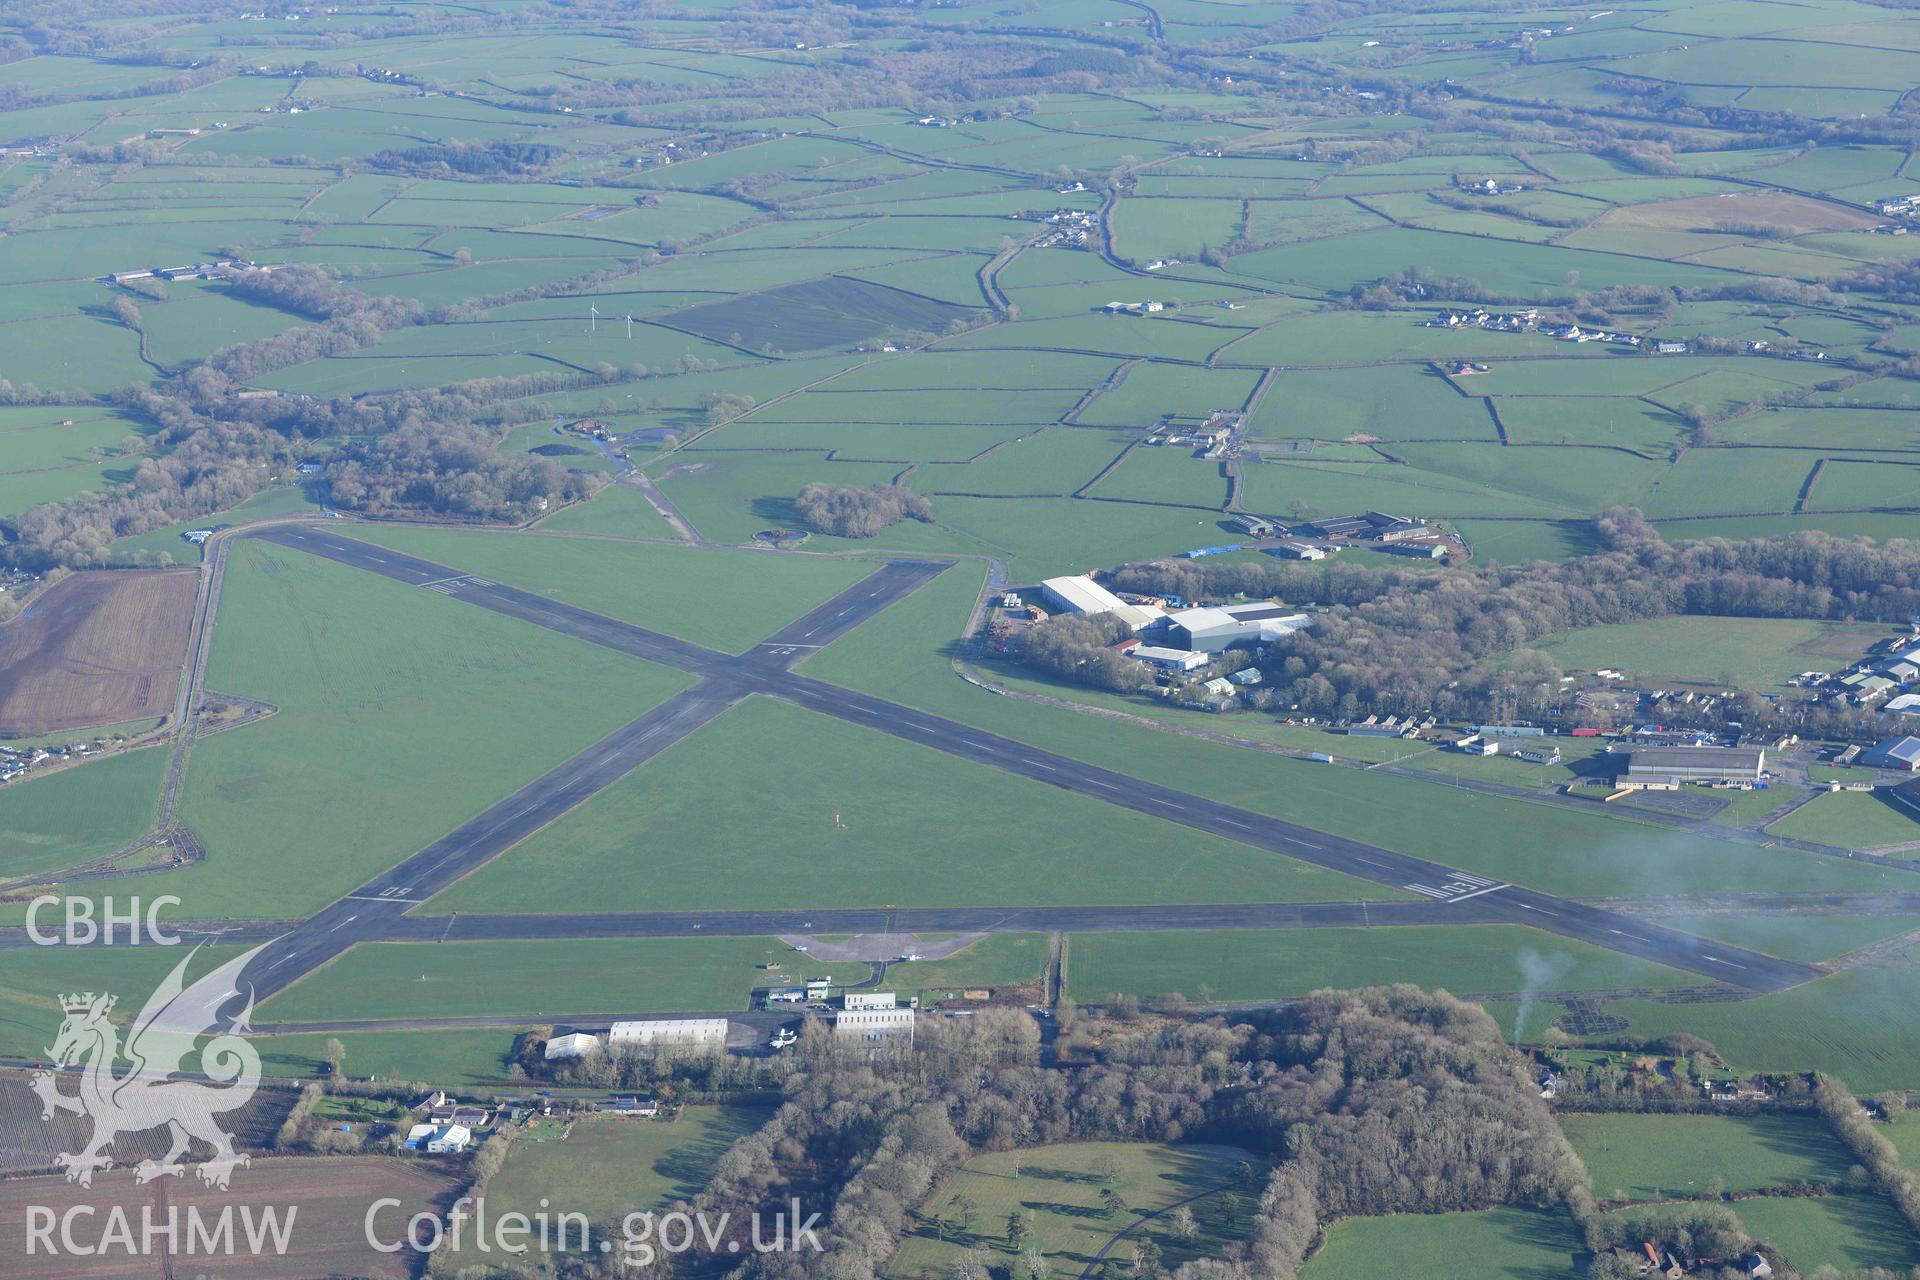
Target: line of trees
x=1875 y=1152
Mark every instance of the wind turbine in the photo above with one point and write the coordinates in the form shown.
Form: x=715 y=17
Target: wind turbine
x=593 y=322
x=629 y=328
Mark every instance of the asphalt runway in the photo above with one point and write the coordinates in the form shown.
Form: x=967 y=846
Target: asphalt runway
x=373 y=909
x=760 y=924
x=728 y=677
x=872 y=595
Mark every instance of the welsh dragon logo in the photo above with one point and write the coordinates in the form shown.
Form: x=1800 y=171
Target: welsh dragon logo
x=154 y=1094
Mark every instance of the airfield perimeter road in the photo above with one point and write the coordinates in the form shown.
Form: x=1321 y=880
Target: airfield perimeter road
x=371 y=911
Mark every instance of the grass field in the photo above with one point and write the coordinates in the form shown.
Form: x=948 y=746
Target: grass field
x=728 y=599
x=1839 y=1231
x=1256 y=964
x=1858 y=1025
x=1633 y=1157
x=522 y=981
x=446 y=1058
x=1058 y=1188
x=1904 y=1132
x=997 y=960
x=1507 y=1244
x=1850 y=819
x=816 y=822
x=1745 y=653
x=34 y=977
x=79 y=813
x=607 y=1167
x=373 y=679
x=1801 y=936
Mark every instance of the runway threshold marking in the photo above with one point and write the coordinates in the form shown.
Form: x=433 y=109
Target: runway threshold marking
x=1458 y=887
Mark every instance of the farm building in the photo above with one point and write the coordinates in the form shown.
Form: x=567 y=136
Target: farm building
x=1418 y=550
x=874 y=1024
x=1370 y=524
x=871 y=1000
x=1399 y=530
x=568 y=1048
x=1339 y=527
x=1168 y=659
x=439 y=1139
x=1211 y=630
x=632 y=1105
x=1894 y=753
x=1254 y=526
x=1710 y=766
x=689 y=1032
x=1081 y=594
x=1299 y=551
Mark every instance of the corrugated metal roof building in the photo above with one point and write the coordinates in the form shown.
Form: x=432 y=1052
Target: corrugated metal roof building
x=1894 y=753
x=674 y=1031
x=1674 y=766
x=1082 y=595
x=873 y=1024
x=1210 y=630
x=1079 y=594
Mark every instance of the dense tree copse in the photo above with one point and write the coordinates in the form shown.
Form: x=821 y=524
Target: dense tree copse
x=849 y=511
x=1378 y=1101
x=448 y=470
x=1080 y=647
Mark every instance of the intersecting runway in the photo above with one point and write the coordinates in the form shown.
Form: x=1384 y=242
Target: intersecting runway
x=378 y=908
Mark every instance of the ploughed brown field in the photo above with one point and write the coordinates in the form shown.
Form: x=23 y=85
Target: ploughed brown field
x=97 y=648
x=330 y=1196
